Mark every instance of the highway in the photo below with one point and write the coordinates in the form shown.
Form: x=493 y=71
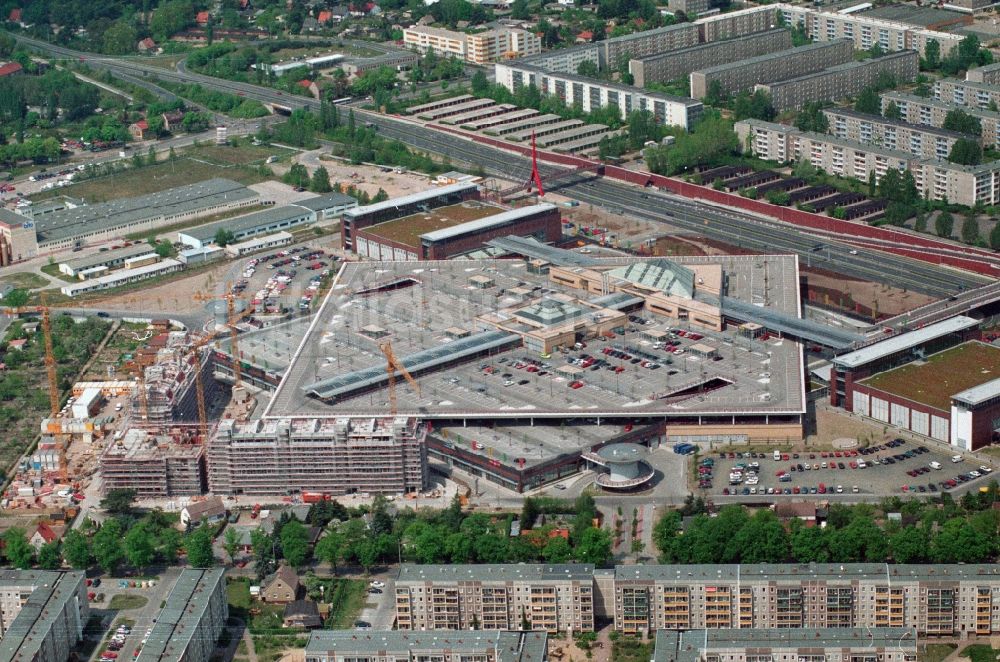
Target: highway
x=716 y=223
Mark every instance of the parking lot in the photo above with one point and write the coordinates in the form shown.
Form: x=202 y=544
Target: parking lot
x=288 y=278
x=898 y=467
x=648 y=364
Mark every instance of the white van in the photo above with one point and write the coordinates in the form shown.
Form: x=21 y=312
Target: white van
x=777 y=456
x=956 y=458
x=934 y=465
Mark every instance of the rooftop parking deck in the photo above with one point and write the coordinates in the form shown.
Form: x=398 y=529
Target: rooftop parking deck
x=428 y=303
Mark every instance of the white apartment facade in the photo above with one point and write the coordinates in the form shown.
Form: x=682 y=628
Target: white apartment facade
x=481 y=48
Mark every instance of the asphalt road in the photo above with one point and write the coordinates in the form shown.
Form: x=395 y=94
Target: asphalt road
x=712 y=222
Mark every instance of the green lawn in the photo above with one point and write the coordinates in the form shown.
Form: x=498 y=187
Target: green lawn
x=126 y=601
x=25 y=280
x=631 y=649
x=167 y=174
x=53 y=270
x=980 y=653
x=937 y=652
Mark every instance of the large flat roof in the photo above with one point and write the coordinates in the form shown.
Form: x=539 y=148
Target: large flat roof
x=777 y=55
x=904 y=341
x=796 y=572
x=97 y=259
x=239 y=224
x=979 y=394
x=327 y=200
x=506 y=646
x=878 y=119
x=43 y=610
x=339 y=370
x=493 y=221
x=690 y=645
x=499 y=572
x=412 y=198
x=408 y=229
x=179 y=619
x=935 y=380
x=108 y=215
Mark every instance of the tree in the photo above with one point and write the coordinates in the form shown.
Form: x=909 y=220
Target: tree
x=16 y=298
x=320 y=182
x=594 y=546
x=198 y=545
x=588 y=68
x=892 y=111
x=868 y=102
x=139 y=547
x=224 y=237
x=263 y=551
x=170 y=544
x=715 y=94
x=966 y=152
x=295 y=543
x=119 y=501
x=944 y=224
x=557 y=550
x=48 y=556
x=76 y=549
x=860 y=540
x=809 y=544
x=932 y=55
x=298 y=176
x=812 y=118
x=665 y=533
x=330 y=548
x=908 y=544
x=17 y=549
x=120 y=38
x=970 y=230
x=519 y=10
x=163 y=249
x=480 y=83
x=995 y=236
x=529 y=511
x=963 y=122
x=231 y=543
x=107 y=545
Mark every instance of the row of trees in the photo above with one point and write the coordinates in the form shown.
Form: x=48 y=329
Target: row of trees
x=124 y=538
x=220 y=102
x=447 y=536
x=943 y=532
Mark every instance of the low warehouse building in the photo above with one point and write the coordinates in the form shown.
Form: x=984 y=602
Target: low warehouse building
x=123 y=277
x=267 y=221
x=81 y=267
x=330 y=205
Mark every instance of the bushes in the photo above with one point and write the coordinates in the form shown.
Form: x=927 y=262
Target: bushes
x=220 y=102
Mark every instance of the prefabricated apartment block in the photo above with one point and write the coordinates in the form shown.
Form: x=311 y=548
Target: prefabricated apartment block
x=740 y=76
x=932 y=599
x=842 y=81
x=917 y=139
x=936 y=179
x=932 y=112
x=671 y=65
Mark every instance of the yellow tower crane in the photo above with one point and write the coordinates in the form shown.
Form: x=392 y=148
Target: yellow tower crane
x=392 y=365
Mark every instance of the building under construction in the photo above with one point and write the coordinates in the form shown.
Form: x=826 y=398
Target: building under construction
x=330 y=456
x=155 y=465
x=170 y=393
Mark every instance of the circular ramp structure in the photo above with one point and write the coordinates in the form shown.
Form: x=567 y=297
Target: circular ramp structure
x=626 y=468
